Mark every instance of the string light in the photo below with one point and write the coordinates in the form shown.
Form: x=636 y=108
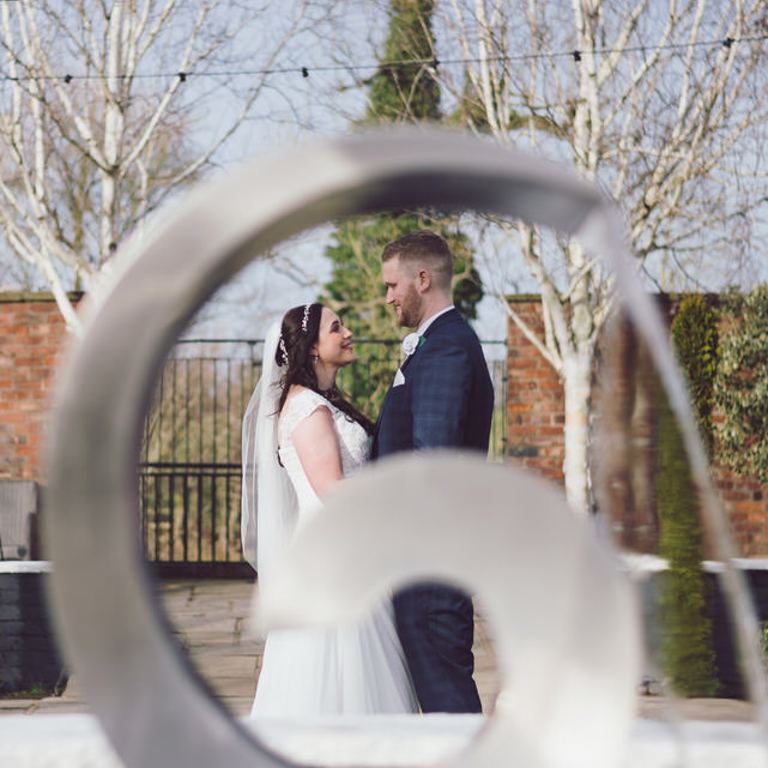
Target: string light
x=433 y=62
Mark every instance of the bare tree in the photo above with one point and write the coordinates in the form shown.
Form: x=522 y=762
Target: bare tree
x=101 y=105
x=661 y=104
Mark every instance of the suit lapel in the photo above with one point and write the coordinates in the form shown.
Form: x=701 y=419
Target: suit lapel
x=407 y=361
x=449 y=317
x=445 y=319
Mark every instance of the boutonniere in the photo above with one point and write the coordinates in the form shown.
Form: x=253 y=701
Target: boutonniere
x=411 y=343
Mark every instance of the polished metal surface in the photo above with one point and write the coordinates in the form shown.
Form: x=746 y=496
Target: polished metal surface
x=152 y=706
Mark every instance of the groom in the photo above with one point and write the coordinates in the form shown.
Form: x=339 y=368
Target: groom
x=442 y=397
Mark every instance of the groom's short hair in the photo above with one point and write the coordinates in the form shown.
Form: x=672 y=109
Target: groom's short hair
x=423 y=248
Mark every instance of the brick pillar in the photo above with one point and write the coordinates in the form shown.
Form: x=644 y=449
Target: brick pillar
x=535 y=405
x=31 y=337
x=536 y=415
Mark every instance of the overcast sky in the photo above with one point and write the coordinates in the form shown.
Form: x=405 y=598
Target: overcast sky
x=296 y=109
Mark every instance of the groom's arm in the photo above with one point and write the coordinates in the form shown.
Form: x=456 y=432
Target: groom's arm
x=440 y=396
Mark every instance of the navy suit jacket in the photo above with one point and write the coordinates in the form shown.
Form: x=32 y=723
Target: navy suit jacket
x=447 y=398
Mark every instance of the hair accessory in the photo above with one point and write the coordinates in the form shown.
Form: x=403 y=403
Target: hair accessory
x=305 y=319
x=283 y=350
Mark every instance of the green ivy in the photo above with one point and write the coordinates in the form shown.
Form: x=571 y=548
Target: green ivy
x=764 y=641
x=741 y=385
x=687 y=649
x=695 y=335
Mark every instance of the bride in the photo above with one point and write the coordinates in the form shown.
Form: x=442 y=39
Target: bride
x=300 y=437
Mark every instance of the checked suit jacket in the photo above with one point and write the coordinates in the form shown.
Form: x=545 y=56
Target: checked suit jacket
x=446 y=400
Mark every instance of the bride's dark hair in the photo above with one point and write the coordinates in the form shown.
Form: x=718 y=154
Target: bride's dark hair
x=298 y=333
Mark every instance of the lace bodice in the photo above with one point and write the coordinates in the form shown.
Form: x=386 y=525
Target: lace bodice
x=353 y=441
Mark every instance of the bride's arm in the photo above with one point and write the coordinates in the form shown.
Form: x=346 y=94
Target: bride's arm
x=317 y=446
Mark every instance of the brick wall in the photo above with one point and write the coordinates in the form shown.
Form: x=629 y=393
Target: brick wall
x=535 y=404
x=32 y=332
x=746 y=501
x=536 y=415
x=31 y=335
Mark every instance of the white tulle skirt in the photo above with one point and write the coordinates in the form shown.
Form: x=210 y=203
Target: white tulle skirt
x=356 y=670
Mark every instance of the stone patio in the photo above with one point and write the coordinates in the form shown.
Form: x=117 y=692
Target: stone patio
x=209 y=618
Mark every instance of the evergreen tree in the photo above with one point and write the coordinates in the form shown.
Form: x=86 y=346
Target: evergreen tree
x=398 y=93
x=687 y=646
x=687 y=650
x=406 y=92
x=695 y=334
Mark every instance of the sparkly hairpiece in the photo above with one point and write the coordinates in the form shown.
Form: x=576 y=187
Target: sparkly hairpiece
x=283 y=350
x=305 y=319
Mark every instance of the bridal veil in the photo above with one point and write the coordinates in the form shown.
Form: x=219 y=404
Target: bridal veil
x=269 y=505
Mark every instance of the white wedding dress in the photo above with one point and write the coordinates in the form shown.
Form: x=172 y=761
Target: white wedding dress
x=353 y=670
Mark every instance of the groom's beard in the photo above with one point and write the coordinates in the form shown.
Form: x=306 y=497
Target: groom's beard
x=410 y=308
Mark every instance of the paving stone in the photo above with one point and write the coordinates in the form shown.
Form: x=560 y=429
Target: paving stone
x=233 y=686
x=60 y=706
x=231 y=666
x=660 y=708
x=14 y=706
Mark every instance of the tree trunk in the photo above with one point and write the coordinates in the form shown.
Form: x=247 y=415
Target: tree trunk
x=114 y=124
x=60 y=295
x=577 y=381
x=578 y=349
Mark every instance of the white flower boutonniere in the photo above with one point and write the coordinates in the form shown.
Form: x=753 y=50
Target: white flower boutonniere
x=411 y=343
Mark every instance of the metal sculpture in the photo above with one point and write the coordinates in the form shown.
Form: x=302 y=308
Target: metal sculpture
x=154 y=708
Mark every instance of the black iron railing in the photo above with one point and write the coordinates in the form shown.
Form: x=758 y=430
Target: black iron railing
x=190 y=472
x=191 y=512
